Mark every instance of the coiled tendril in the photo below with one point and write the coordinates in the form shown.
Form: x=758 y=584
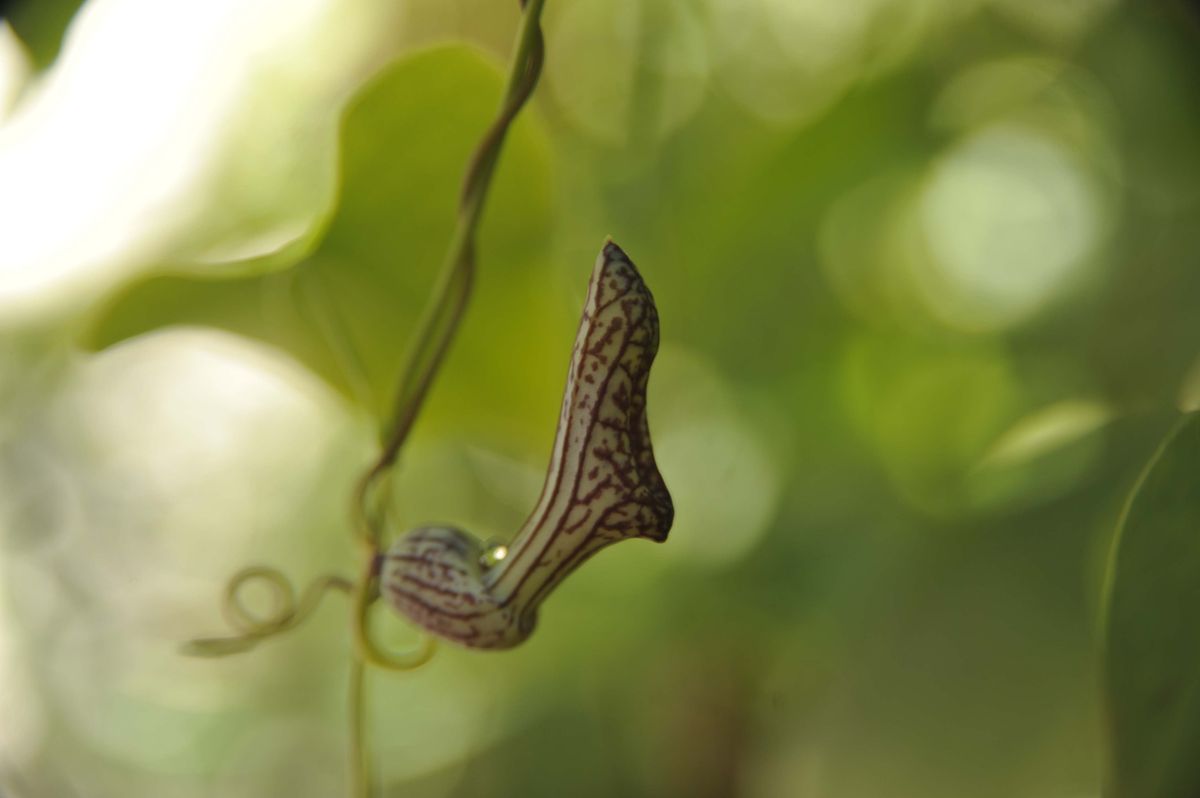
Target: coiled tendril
x=286 y=610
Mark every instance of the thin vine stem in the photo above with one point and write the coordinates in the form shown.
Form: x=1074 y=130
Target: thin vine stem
x=444 y=313
x=360 y=755
x=435 y=333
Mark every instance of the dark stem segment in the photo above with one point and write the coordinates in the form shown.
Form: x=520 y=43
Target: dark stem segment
x=602 y=486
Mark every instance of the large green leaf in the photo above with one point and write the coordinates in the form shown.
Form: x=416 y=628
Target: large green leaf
x=1152 y=646
x=348 y=309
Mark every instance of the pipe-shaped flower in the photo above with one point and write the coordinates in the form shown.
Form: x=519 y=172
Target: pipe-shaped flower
x=603 y=485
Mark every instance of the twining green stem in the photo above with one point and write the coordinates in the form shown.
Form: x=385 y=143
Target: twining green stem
x=360 y=756
x=444 y=313
x=434 y=335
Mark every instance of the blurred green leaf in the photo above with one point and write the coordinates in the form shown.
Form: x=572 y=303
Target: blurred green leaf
x=1153 y=638
x=41 y=25
x=1042 y=455
x=348 y=309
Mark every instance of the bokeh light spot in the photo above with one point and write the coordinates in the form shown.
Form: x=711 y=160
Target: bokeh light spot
x=1011 y=221
x=190 y=452
x=788 y=61
x=724 y=482
x=655 y=67
x=189 y=438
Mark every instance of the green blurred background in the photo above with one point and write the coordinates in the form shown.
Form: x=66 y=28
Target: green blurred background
x=927 y=272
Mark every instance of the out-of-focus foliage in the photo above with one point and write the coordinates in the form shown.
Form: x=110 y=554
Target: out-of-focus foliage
x=348 y=309
x=224 y=150
x=927 y=272
x=1152 y=649
x=40 y=24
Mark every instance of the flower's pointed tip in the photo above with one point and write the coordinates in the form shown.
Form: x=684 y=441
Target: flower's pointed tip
x=611 y=251
x=611 y=258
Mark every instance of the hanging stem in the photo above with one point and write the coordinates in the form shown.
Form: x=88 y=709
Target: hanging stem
x=434 y=335
x=360 y=758
x=444 y=313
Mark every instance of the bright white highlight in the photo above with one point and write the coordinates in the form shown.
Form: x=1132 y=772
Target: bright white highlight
x=114 y=162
